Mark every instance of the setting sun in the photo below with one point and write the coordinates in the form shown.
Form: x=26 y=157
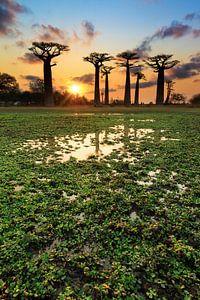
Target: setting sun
x=75 y=89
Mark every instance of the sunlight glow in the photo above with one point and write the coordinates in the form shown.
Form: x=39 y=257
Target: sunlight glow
x=75 y=89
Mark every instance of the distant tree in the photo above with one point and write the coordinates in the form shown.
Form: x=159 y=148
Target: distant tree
x=9 y=89
x=106 y=70
x=8 y=84
x=195 y=100
x=159 y=64
x=46 y=52
x=177 y=98
x=37 y=86
x=124 y=61
x=97 y=59
x=170 y=85
x=140 y=76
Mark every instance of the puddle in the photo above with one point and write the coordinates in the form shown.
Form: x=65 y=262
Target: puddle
x=82 y=147
x=163 y=139
x=153 y=174
x=133 y=216
x=98 y=144
x=147 y=120
x=18 y=188
x=144 y=183
x=181 y=188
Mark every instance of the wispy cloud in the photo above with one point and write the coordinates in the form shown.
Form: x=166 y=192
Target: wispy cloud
x=186 y=70
x=9 y=9
x=29 y=58
x=21 y=44
x=30 y=77
x=192 y=17
x=87 y=35
x=49 y=33
x=175 y=30
x=86 y=79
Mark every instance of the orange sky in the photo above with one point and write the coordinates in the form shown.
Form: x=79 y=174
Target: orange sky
x=94 y=29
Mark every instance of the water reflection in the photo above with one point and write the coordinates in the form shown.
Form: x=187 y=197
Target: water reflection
x=98 y=144
x=82 y=146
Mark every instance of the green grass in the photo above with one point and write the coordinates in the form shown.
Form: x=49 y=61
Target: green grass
x=100 y=228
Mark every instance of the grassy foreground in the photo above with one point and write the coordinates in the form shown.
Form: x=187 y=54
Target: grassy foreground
x=120 y=226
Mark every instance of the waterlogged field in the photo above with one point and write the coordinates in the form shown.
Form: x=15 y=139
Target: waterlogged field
x=100 y=205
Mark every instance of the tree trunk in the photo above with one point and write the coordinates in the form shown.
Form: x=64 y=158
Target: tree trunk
x=127 y=96
x=48 y=89
x=96 y=89
x=167 y=98
x=136 y=102
x=160 y=87
x=106 y=90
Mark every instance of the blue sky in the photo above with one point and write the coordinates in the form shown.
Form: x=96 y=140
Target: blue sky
x=100 y=25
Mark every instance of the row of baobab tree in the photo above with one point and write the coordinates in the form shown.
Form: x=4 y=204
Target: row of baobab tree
x=159 y=63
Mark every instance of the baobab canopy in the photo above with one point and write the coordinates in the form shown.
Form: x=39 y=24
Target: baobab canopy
x=46 y=52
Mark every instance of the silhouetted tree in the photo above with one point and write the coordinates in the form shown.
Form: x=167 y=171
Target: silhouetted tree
x=46 y=52
x=195 y=100
x=97 y=60
x=9 y=89
x=178 y=98
x=106 y=70
x=169 y=84
x=159 y=64
x=37 y=86
x=8 y=84
x=125 y=58
x=140 y=76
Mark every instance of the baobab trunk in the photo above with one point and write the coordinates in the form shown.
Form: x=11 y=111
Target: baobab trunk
x=136 y=102
x=160 y=87
x=167 y=98
x=127 y=96
x=48 y=89
x=106 y=90
x=96 y=90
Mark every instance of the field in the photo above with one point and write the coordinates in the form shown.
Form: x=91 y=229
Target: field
x=100 y=203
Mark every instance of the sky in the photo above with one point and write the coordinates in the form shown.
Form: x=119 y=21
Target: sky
x=149 y=27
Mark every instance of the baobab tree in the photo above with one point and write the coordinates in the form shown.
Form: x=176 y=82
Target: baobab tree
x=170 y=85
x=159 y=64
x=106 y=70
x=97 y=60
x=139 y=76
x=46 y=52
x=124 y=61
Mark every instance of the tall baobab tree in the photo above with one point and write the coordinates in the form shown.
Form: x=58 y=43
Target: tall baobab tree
x=124 y=61
x=139 y=76
x=46 y=52
x=170 y=85
x=159 y=64
x=97 y=60
x=106 y=70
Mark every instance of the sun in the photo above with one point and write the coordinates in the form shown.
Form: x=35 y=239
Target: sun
x=75 y=88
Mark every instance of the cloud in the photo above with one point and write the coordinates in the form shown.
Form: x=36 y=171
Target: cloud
x=196 y=33
x=49 y=33
x=86 y=79
x=192 y=17
x=30 y=77
x=145 y=84
x=87 y=35
x=186 y=70
x=29 y=58
x=176 y=30
x=89 y=32
x=9 y=9
x=21 y=44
